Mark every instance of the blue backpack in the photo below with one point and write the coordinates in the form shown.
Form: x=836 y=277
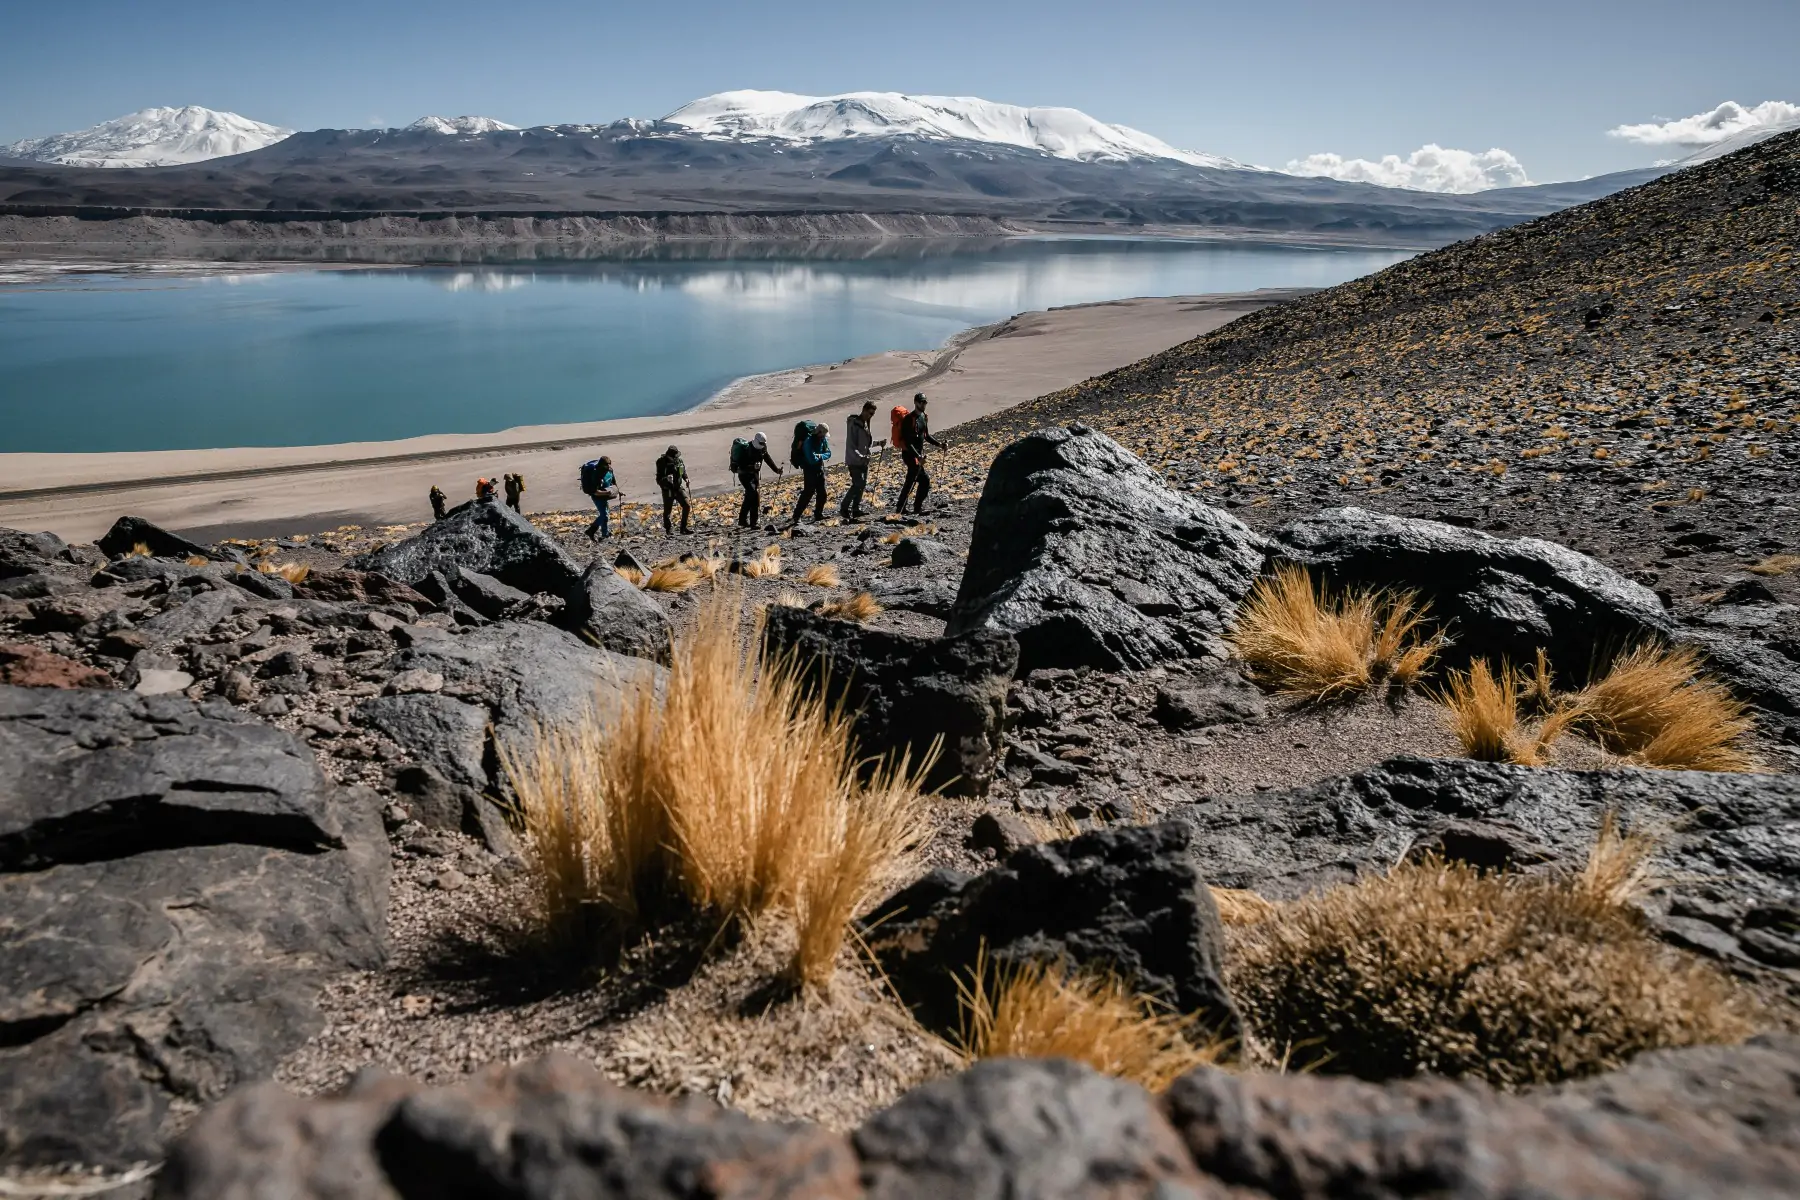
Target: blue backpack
x=590 y=476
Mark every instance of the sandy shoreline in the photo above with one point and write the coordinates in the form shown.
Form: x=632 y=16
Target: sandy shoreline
x=263 y=491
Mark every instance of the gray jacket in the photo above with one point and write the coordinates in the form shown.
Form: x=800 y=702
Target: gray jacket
x=857 y=440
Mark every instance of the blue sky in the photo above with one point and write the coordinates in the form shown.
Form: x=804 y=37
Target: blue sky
x=1267 y=81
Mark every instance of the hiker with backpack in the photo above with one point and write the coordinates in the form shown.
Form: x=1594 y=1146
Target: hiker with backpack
x=912 y=433
x=484 y=490
x=810 y=452
x=437 y=502
x=747 y=459
x=672 y=478
x=599 y=485
x=515 y=491
x=857 y=447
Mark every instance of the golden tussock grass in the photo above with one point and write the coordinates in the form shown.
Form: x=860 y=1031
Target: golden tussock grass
x=762 y=566
x=859 y=608
x=1041 y=1010
x=1778 y=564
x=822 y=575
x=727 y=794
x=139 y=550
x=1241 y=906
x=1303 y=640
x=1654 y=706
x=1437 y=967
x=1482 y=710
x=676 y=578
x=195 y=560
x=630 y=575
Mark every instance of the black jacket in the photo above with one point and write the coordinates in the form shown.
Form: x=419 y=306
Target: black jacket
x=917 y=429
x=751 y=471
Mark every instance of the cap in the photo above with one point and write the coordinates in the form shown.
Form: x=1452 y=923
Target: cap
x=758 y=440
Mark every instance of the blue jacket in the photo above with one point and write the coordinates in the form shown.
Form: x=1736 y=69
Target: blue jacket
x=815 y=450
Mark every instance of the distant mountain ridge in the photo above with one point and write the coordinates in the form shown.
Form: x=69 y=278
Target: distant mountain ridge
x=152 y=137
x=1060 y=132
x=456 y=125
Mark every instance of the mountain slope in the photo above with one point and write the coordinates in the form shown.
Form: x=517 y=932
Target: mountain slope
x=1613 y=377
x=1060 y=132
x=152 y=137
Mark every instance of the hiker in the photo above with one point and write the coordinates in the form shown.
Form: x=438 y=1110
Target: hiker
x=672 y=477
x=515 y=491
x=811 y=451
x=857 y=444
x=437 y=502
x=747 y=459
x=915 y=435
x=599 y=485
x=484 y=490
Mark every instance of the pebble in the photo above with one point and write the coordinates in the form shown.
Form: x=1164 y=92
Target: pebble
x=274 y=706
x=449 y=880
x=160 y=683
x=416 y=680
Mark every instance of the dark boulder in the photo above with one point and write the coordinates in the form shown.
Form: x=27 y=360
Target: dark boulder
x=541 y=1130
x=24 y=553
x=1711 y=1121
x=920 y=552
x=1083 y=553
x=500 y=684
x=1026 y=1128
x=611 y=612
x=1129 y=900
x=265 y=585
x=907 y=692
x=1735 y=837
x=1502 y=597
x=175 y=884
x=128 y=533
x=489 y=538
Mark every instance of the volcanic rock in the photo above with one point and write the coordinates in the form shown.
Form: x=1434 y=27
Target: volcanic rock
x=1083 y=553
x=609 y=610
x=174 y=885
x=906 y=692
x=127 y=533
x=489 y=538
x=1128 y=899
x=25 y=665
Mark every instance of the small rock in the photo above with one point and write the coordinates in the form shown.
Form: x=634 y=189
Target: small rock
x=236 y=686
x=415 y=680
x=1000 y=832
x=273 y=706
x=24 y=665
x=162 y=683
x=323 y=724
x=449 y=880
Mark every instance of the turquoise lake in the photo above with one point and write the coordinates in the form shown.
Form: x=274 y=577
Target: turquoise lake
x=251 y=356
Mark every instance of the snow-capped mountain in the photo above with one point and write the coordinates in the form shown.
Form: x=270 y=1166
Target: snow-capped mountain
x=460 y=125
x=1737 y=141
x=1059 y=132
x=152 y=137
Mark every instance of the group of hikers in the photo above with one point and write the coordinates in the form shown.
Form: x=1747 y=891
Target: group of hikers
x=909 y=432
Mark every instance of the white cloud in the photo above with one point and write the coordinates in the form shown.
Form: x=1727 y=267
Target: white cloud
x=1430 y=168
x=1707 y=128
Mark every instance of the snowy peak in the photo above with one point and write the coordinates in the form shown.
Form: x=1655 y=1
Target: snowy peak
x=460 y=125
x=152 y=137
x=1059 y=132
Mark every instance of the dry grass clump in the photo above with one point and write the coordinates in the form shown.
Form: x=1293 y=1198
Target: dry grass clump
x=139 y=550
x=195 y=560
x=859 y=608
x=1241 y=906
x=1778 y=564
x=676 y=578
x=1040 y=1010
x=764 y=566
x=726 y=794
x=1437 y=967
x=630 y=575
x=1301 y=639
x=823 y=575
x=1483 y=712
x=1655 y=706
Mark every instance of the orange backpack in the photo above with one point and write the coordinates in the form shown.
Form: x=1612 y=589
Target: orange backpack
x=897 y=434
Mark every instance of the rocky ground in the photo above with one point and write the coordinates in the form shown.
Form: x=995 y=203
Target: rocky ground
x=1620 y=380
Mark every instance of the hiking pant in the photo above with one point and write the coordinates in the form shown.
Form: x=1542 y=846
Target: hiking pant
x=814 y=490
x=851 y=506
x=750 y=512
x=672 y=497
x=915 y=474
x=603 y=522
